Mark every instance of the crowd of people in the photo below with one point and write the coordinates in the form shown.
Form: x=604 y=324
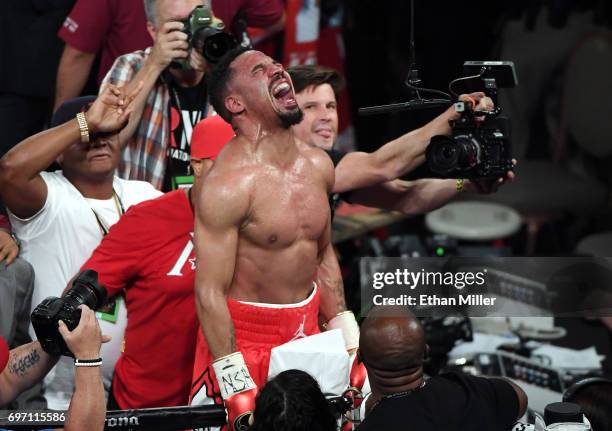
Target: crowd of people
x=203 y=198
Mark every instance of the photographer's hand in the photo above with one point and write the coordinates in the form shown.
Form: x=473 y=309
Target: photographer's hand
x=441 y=126
x=86 y=339
x=197 y=61
x=170 y=44
x=486 y=186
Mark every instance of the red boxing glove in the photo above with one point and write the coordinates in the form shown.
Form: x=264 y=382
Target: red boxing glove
x=359 y=374
x=237 y=390
x=240 y=409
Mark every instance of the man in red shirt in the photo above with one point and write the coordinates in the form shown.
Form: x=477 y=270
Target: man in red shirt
x=150 y=254
x=113 y=27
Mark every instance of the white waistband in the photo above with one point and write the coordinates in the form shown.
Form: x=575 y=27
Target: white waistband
x=296 y=305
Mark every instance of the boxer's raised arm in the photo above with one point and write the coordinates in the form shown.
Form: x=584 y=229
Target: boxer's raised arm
x=221 y=207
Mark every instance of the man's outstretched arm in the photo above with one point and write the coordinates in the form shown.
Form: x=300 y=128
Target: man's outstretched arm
x=27 y=365
x=358 y=170
x=421 y=196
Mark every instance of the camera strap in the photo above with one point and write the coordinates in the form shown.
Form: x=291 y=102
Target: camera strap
x=104 y=227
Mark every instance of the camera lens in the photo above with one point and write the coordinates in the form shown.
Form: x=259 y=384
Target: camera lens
x=446 y=156
x=212 y=44
x=86 y=290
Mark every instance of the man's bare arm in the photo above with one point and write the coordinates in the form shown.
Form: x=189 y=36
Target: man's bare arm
x=408 y=197
x=170 y=44
x=27 y=365
x=22 y=189
x=330 y=282
x=72 y=73
x=87 y=409
x=220 y=210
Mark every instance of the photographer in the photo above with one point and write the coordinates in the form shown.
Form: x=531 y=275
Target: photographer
x=29 y=363
x=171 y=102
x=392 y=347
x=372 y=178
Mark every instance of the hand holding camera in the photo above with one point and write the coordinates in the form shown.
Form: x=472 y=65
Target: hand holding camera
x=86 y=339
x=46 y=316
x=170 y=44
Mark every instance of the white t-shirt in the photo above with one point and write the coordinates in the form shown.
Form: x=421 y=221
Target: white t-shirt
x=57 y=241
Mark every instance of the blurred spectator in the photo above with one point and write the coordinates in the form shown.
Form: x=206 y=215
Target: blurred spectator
x=30 y=52
x=29 y=363
x=595 y=397
x=16 y=287
x=111 y=27
x=60 y=217
x=372 y=178
x=392 y=346
x=173 y=99
x=267 y=17
x=292 y=401
x=157 y=274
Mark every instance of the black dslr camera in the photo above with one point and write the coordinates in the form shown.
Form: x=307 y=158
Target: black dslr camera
x=45 y=317
x=476 y=148
x=205 y=34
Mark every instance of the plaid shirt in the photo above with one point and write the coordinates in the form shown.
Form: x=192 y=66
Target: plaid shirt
x=144 y=156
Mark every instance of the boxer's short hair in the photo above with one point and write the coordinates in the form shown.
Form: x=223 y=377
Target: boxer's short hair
x=217 y=79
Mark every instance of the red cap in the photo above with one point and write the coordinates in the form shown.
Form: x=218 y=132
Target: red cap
x=209 y=136
x=4 y=354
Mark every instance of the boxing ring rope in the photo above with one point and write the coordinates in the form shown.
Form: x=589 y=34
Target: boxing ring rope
x=151 y=419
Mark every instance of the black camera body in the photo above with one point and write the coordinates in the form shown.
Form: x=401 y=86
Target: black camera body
x=45 y=317
x=205 y=34
x=479 y=145
x=475 y=149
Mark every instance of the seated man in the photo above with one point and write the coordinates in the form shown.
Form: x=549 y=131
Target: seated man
x=60 y=217
x=262 y=230
x=392 y=347
x=29 y=363
x=157 y=274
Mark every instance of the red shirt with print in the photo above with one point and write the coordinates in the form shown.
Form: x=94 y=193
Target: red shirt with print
x=115 y=27
x=150 y=254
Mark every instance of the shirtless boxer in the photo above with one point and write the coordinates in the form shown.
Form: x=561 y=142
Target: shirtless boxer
x=262 y=229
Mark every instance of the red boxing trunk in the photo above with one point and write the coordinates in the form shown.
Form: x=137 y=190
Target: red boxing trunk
x=258 y=328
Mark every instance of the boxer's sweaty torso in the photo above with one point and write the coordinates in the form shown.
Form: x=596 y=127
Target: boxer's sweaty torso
x=288 y=224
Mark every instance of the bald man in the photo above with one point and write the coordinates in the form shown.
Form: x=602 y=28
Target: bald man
x=392 y=346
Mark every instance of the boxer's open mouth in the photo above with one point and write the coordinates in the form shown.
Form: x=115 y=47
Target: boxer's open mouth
x=282 y=92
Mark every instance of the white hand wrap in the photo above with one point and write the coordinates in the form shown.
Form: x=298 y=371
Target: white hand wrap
x=232 y=375
x=346 y=322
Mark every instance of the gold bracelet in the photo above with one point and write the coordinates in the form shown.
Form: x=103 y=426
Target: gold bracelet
x=83 y=128
x=459 y=185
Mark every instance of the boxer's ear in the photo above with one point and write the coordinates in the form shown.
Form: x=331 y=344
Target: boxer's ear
x=234 y=105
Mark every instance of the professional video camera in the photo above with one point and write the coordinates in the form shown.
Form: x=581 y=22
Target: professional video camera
x=558 y=417
x=205 y=34
x=479 y=145
x=45 y=317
